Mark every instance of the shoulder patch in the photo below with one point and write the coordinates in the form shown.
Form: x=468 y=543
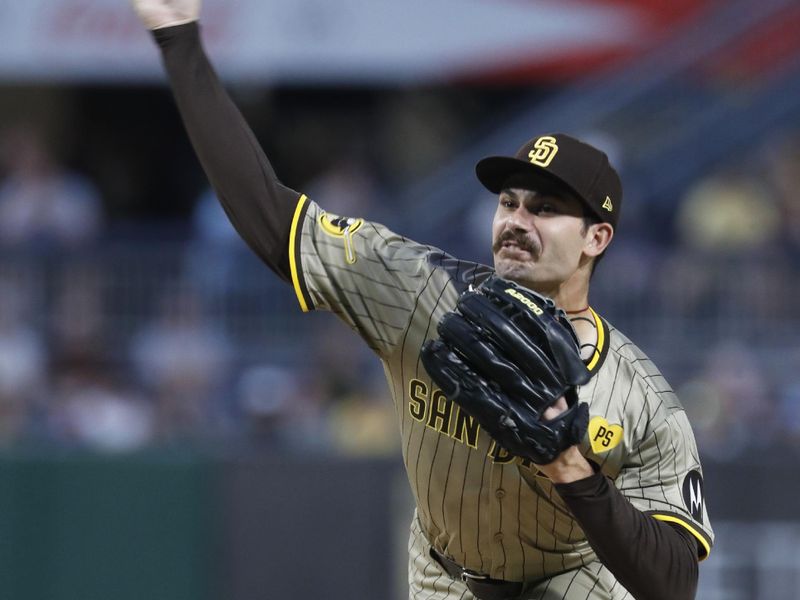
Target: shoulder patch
x=337 y=226
x=693 y=494
x=342 y=228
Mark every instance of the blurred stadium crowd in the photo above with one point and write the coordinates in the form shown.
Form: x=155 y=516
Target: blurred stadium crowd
x=118 y=334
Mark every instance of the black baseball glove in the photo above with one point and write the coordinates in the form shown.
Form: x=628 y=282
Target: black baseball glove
x=505 y=355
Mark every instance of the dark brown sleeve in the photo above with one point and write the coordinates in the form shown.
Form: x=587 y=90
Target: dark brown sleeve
x=258 y=205
x=652 y=559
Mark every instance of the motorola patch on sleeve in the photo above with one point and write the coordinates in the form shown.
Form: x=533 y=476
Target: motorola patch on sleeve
x=693 y=494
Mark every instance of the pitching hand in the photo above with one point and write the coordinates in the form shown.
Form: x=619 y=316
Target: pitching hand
x=156 y=14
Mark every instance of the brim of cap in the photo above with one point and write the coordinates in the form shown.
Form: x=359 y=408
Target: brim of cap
x=494 y=171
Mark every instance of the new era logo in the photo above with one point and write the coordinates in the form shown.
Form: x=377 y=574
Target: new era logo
x=608 y=205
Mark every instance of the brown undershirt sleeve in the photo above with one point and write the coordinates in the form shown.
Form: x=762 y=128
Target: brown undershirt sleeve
x=258 y=205
x=652 y=559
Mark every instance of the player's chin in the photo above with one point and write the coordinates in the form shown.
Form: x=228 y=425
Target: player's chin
x=516 y=270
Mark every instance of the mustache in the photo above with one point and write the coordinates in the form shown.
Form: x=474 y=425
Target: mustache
x=520 y=239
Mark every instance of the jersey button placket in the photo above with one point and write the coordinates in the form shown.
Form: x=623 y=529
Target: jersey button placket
x=498 y=551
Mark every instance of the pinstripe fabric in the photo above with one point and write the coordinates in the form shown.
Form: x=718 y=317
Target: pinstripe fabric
x=490 y=511
x=658 y=449
x=427 y=580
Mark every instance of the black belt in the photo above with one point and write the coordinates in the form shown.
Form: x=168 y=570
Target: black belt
x=482 y=587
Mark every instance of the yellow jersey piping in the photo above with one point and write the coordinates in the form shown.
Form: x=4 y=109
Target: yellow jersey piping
x=294 y=254
x=692 y=530
x=601 y=340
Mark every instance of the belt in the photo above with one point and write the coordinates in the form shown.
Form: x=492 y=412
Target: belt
x=482 y=587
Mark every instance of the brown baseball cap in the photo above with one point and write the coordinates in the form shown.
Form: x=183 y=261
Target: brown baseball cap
x=561 y=160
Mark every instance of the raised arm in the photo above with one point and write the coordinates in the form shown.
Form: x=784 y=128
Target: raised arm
x=258 y=205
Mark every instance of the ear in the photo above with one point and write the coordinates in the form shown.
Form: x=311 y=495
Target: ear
x=598 y=237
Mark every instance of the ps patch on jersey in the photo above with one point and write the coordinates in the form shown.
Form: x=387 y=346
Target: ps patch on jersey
x=693 y=494
x=603 y=436
x=342 y=228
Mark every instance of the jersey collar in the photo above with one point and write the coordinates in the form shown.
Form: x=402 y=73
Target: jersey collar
x=601 y=349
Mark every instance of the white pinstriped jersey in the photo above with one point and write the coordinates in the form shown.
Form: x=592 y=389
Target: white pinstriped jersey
x=492 y=512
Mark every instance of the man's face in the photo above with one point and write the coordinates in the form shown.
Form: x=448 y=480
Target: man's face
x=537 y=238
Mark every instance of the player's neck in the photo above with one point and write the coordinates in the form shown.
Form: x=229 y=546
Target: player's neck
x=572 y=295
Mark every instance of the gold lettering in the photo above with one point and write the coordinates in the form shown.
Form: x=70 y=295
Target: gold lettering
x=499 y=454
x=441 y=410
x=525 y=462
x=418 y=399
x=466 y=429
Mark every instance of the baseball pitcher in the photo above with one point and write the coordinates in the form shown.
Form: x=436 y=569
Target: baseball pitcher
x=548 y=457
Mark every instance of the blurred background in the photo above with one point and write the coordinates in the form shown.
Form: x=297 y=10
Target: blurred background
x=173 y=427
